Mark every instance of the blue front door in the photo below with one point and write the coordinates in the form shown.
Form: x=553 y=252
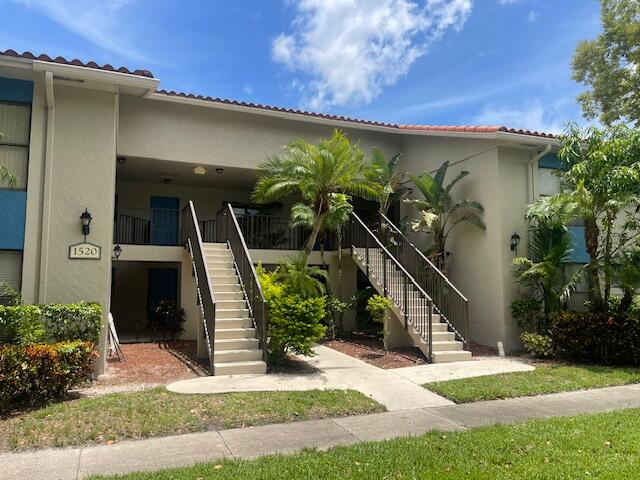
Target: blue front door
x=162 y=285
x=164 y=220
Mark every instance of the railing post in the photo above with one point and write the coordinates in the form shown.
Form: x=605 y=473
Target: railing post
x=430 y=330
x=406 y=296
x=466 y=326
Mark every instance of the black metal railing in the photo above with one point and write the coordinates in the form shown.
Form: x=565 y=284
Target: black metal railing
x=269 y=232
x=131 y=230
x=147 y=226
x=398 y=283
x=192 y=240
x=448 y=302
x=228 y=230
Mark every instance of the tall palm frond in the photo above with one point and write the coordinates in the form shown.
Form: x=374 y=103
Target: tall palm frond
x=305 y=280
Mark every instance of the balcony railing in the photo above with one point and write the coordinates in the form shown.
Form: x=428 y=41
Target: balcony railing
x=161 y=227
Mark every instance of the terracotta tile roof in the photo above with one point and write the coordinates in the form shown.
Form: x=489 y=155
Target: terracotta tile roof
x=148 y=74
x=475 y=129
x=276 y=109
x=431 y=128
x=76 y=62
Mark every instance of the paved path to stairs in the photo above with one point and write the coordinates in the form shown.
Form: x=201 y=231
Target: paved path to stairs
x=184 y=450
x=396 y=389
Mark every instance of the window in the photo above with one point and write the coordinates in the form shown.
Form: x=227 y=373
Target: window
x=15 y=122
x=10 y=273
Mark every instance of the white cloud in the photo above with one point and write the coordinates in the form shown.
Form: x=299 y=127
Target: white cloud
x=508 y=2
x=533 y=16
x=535 y=115
x=92 y=20
x=247 y=89
x=352 y=49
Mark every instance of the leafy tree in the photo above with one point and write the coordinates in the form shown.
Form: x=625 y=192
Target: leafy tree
x=388 y=177
x=627 y=276
x=308 y=281
x=315 y=171
x=609 y=64
x=440 y=214
x=599 y=187
x=542 y=277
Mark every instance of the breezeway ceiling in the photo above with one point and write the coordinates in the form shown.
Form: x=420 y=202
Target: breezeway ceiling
x=136 y=169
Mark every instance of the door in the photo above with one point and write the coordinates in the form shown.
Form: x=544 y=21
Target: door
x=165 y=212
x=162 y=285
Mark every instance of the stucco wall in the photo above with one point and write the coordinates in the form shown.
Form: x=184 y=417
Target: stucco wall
x=200 y=135
x=83 y=176
x=476 y=265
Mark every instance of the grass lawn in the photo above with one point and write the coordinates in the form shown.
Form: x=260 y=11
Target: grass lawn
x=604 y=446
x=544 y=379
x=156 y=412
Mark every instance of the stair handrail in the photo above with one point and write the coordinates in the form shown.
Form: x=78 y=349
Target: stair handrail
x=408 y=279
x=459 y=326
x=250 y=283
x=192 y=240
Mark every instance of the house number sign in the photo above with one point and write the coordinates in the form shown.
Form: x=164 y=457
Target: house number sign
x=85 y=251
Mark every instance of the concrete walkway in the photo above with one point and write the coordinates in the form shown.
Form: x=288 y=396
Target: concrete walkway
x=396 y=389
x=184 y=450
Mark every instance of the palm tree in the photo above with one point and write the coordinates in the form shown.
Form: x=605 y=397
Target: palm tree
x=542 y=277
x=300 y=278
x=385 y=174
x=440 y=214
x=315 y=171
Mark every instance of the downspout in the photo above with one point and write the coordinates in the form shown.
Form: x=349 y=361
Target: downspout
x=531 y=172
x=46 y=196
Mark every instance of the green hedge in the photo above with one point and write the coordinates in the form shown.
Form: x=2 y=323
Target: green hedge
x=30 y=374
x=27 y=324
x=597 y=337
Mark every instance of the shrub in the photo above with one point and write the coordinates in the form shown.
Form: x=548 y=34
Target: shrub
x=597 y=336
x=35 y=373
x=168 y=318
x=294 y=323
x=26 y=324
x=538 y=345
x=526 y=313
x=377 y=307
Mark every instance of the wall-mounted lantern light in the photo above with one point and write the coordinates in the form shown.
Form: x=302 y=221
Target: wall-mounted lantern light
x=85 y=218
x=117 y=250
x=515 y=240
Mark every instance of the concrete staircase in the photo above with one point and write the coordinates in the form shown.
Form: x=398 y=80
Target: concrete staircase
x=445 y=346
x=236 y=348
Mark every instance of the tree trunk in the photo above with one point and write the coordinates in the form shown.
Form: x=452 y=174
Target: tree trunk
x=607 y=258
x=592 y=234
x=627 y=300
x=314 y=235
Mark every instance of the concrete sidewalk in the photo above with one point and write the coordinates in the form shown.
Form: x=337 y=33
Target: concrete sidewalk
x=184 y=450
x=397 y=389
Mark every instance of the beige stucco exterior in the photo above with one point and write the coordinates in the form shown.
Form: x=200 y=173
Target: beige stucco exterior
x=79 y=129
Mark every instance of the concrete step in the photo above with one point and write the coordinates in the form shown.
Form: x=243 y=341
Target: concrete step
x=225 y=323
x=222 y=272
x=443 y=336
x=224 y=356
x=451 y=356
x=236 y=343
x=446 y=346
x=222 y=262
x=229 y=304
x=231 y=313
x=229 y=287
x=214 y=246
x=235 y=334
x=229 y=296
x=239 y=368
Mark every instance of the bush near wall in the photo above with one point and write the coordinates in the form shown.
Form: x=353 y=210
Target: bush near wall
x=597 y=337
x=31 y=374
x=27 y=324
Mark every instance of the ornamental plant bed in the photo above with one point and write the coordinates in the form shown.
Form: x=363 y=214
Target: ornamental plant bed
x=369 y=348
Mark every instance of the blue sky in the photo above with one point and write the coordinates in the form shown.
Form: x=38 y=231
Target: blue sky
x=446 y=62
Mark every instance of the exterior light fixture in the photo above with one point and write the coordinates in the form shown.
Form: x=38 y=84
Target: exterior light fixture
x=219 y=171
x=199 y=170
x=515 y=240
x=117 y=250
x=85 y=218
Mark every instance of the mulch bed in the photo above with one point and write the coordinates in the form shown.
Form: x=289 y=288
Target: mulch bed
x=369 y=348
x=153 y=363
